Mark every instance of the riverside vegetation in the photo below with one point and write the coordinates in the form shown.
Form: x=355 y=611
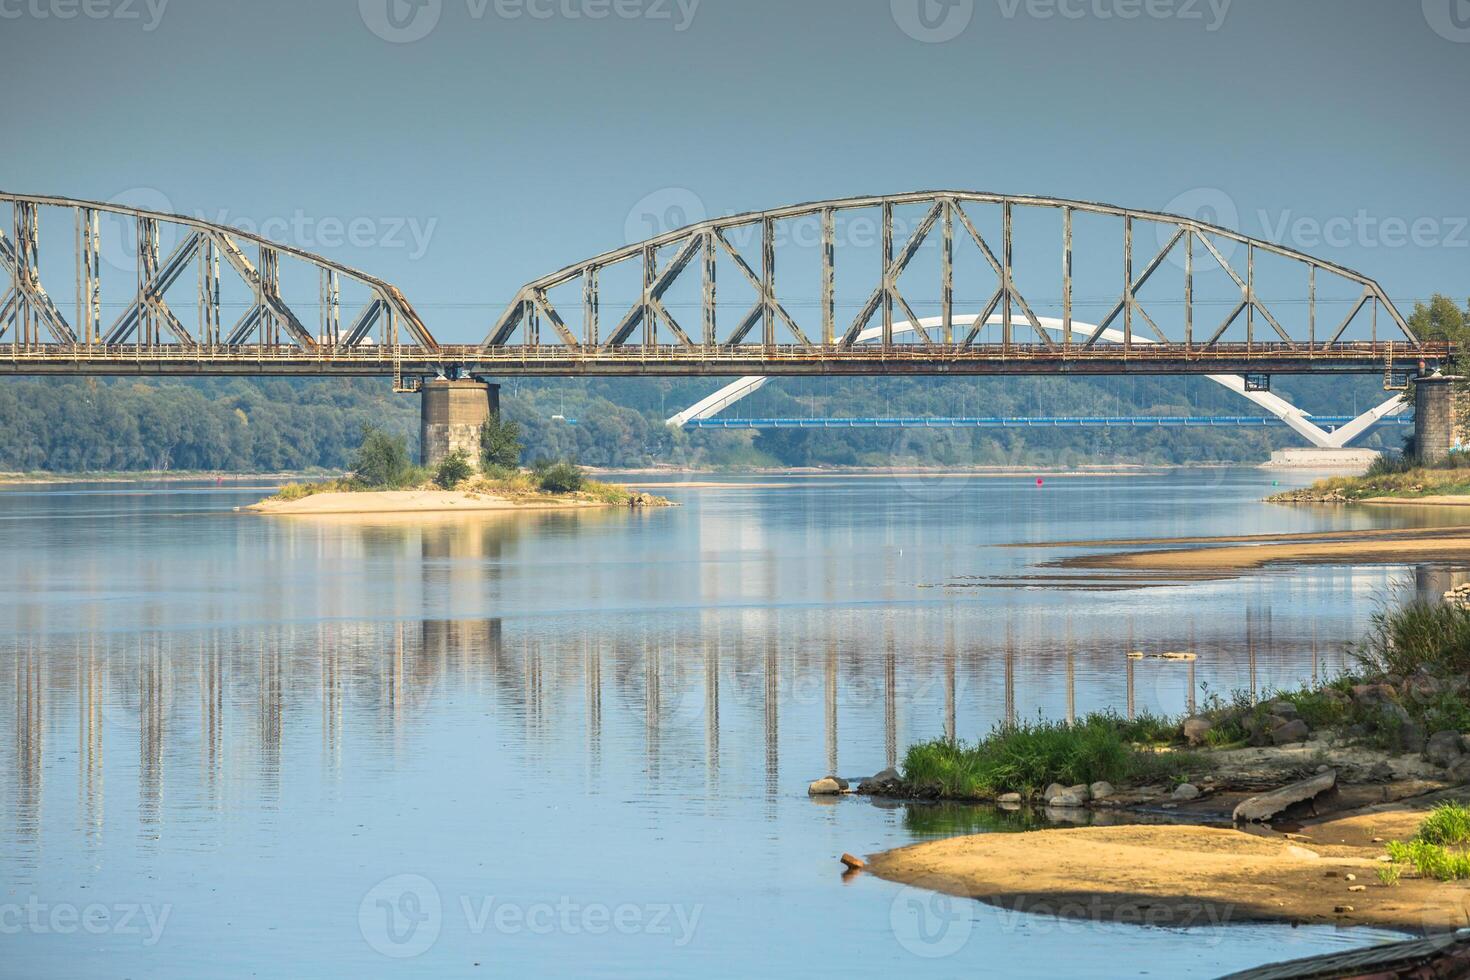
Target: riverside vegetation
x=1402 y=476
x=1409 y=692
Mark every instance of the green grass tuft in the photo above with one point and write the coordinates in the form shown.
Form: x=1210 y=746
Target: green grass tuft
x=1027 y=757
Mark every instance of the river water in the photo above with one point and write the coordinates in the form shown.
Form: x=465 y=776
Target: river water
x=578 y=744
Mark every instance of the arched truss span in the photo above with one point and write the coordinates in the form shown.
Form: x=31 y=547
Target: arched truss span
x=949 y=216
x=1295 y=419
x=148 y=318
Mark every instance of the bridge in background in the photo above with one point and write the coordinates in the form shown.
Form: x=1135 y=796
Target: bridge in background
x=198 y=298
x=1038 y=422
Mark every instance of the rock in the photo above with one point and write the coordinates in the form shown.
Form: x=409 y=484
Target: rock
x=1422 y=688
x=1350 y=877
x=1185 y=791
x=853 y=863
x=1465 y=744
x=1341 y=909
x=1293 y=731
x=1357 y=888
x=1052 y=790
x=1369 y=695
x=1101 y=790
x=1008 y=799
x=1283 y=709
x=1443 y=749
x=1067 y=799
x=1267 y=805
x=826 y=786
x=1196 y=729
x=886 y=781
x=1460 y=771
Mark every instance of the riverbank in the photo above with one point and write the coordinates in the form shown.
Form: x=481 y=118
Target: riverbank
x=1287 y=797
x=1388 y=482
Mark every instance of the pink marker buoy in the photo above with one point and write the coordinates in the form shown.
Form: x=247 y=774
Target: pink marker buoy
x=1040 y=482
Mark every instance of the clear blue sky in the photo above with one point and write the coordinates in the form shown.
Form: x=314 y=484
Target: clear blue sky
x=517 y=136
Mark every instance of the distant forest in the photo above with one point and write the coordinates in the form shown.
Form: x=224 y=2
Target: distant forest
x=86 y=425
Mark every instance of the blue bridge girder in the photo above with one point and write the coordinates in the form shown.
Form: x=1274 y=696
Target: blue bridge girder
x=1041 y=422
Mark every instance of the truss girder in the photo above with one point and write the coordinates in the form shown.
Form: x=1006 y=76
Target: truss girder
x=148 y=320
x=944 y=210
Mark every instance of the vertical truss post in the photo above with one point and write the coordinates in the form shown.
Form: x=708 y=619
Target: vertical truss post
x=1066 y=279
x=1006 y=275
x=768 y=283
x=1188 y=289
x=590 y=306
x=829 y=277
x=26 y=260
x=1311 y=306
x=1250 y=295
x=1127 y=284
x=708 y=303
x=946 y=274
x=89 y=274
x=650 y=271
x=209 y=313
x=887 y=278
x=331 y=317
x=147 y=268
x=533 y=324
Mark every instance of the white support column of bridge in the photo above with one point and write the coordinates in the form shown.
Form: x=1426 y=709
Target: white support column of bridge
x=1296 y=419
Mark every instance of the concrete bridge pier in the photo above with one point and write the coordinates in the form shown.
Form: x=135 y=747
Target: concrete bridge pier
x=450 y=416
x=1437 y=426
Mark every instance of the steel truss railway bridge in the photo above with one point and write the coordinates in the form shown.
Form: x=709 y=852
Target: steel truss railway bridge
x=203 y=299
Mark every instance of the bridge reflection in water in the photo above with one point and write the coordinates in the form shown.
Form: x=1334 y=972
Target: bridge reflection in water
x=197 y=718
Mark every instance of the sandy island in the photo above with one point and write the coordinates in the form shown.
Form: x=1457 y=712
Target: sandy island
x=414 y=502
x=1243 y=552
x=1182 y=875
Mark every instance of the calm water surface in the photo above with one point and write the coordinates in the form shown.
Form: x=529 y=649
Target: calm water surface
x=578 y=744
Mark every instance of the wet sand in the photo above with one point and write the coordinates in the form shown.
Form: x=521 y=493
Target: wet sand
x=412 y=502
x=1244 y=552
x=1186 y=875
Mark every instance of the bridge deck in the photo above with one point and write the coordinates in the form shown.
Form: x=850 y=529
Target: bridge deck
x=663 y=360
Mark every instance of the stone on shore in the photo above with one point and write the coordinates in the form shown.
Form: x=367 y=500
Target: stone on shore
x=827 y=786
x=1185 y=791
x=886 y=781
x=1055 y=789
x=1443 y=749
x=1268 y=805
x=1196 y=730
x=853 y=863
x=1068 y=799
x=1009 y=799
x=1295 y=730
x=1101 y=790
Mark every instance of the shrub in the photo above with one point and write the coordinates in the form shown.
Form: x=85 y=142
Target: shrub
x=1027 y=757
x=500 y=444
x=298 y=491
x=562 y=478
x=453 y=470
x=382 y=461
x=1448 y=823
x=1431 y=860
x=1435 y=636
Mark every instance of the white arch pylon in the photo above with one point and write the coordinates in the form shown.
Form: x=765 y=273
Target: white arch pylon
x=1295 y=419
